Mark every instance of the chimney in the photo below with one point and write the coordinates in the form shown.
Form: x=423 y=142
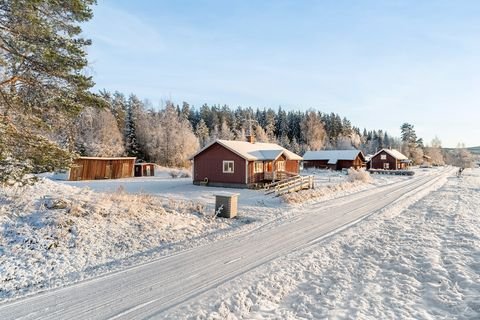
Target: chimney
x=250 y=138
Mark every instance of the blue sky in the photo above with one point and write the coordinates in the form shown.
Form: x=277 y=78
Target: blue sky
x=378 y=63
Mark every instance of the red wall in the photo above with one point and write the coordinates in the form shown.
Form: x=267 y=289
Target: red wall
x=209 y=164
x=377 y=163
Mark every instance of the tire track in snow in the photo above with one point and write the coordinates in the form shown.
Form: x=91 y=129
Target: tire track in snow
x=153 y=288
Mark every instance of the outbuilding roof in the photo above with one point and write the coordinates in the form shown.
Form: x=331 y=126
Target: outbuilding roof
x=254 y=151
x=332 y=155
x=107 y=158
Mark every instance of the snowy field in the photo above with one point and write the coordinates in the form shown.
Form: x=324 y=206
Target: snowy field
x=57 y=232
x=419 y=261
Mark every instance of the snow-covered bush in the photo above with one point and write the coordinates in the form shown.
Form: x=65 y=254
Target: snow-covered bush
x=359 y=175
x=179 y=173
x=354 y=179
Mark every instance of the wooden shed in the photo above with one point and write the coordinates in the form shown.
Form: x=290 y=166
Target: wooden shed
x=243 y=164
x=334 y=159
x=94 y=168
x=144 y=169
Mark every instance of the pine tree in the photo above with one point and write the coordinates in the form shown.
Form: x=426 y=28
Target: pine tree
x=42 y=55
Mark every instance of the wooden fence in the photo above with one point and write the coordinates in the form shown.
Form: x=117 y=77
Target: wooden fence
x=393 y=172
x=292 y=184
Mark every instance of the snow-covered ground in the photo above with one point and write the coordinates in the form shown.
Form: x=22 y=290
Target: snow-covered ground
x=418 y=261
x=58 y=232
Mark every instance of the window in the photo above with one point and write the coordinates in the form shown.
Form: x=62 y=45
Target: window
x=386 y=166
x=258 y=167
x=228 y=167
x=281 y=166
x=383 y=157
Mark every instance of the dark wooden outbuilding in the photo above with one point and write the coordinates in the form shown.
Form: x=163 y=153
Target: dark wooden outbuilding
x=388 y=159
x=243 y=164
x=334 y=159
x=94 y=168
x=144 y=169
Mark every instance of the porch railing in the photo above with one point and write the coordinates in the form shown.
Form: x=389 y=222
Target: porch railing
x=278 y=175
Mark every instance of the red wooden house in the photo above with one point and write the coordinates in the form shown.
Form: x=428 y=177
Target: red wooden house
x=389 y=159
x=243 y=164
x=334 y=159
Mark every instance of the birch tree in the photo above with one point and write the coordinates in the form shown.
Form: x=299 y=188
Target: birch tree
x=313 y=131
x=98 y=134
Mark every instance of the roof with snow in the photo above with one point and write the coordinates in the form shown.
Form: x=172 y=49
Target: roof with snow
x=332 y=155
x=394 y=153
x=254 y=151
x=107 y=158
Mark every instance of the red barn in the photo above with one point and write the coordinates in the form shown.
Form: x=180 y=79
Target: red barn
x=243 y=164
x=389 y=159
x=334 y=159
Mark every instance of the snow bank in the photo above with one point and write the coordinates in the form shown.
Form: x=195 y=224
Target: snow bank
x=323 y=192
x=165 y=172
x=420 y=264
x=354 y=181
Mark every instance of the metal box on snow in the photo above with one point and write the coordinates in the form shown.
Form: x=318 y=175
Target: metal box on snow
x=228 y=202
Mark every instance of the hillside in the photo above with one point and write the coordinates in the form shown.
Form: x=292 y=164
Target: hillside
x=474 y=150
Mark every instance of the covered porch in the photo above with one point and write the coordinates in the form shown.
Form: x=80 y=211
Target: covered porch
x=267 y=171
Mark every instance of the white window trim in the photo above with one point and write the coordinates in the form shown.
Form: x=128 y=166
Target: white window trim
x=255 y=167
x=383 y=157
x=228 y=161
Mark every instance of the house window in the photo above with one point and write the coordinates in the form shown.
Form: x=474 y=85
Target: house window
x=228 y=167
x=383 y=157
x=281 y=166
x=258 y=167
x=386 y=165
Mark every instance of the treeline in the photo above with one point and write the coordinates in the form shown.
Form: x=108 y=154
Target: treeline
x=170 y=135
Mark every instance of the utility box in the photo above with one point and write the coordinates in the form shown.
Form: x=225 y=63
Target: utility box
x=226 y=204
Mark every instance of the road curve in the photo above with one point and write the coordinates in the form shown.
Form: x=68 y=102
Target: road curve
x=149 y=290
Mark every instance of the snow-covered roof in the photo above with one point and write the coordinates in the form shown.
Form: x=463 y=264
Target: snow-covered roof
x=107 y=158
x=332 y=155
x=254 y=151
x=394 y=153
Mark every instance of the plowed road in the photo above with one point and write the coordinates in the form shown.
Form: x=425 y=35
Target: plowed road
x=149 y=290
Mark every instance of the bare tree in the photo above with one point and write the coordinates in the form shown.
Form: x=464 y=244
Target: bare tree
x=435 y=152
x=98 y=134
x=313 y=131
